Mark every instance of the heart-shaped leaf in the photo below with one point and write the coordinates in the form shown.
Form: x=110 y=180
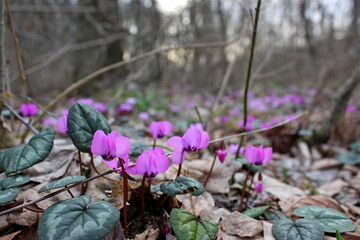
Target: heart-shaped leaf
x=62 y=183
x=187 y=226
x=14 y=181
x=244 y=162
x=328 y=218
x=182 y=185
x=76 y=219
x=8 y=195
x=255 y=212
x=304 y=229
x=24 y=156
x=83 y=121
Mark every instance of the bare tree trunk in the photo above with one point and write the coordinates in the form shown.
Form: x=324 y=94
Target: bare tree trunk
x=348 y=88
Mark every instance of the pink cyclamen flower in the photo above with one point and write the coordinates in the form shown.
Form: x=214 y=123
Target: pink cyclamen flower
x=152 y=162
x=259 y=186
x=224 y=119
x=233 y=148
x=191 y=141
x=49 y=121
x=101 y=107
x=221 y=154
x=28 y=110
x=160 y=129
x=111 y=146
x=144 y=116
x=258 y=156
x=198 y=126
x=350 y=109
x=62 y=124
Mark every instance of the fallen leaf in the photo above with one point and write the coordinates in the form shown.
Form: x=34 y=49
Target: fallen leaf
x=279 y=189
x=214 y=215
x=353 y=235
x=196 y=204
x=268 y=235
x=241 y=225
x=26 y=218
x=116 y=234
x=325 y=163
x=332 y=188
x=148 y=234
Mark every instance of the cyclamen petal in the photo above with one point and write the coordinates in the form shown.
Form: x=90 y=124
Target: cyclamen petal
x=178 y=156
x=192 y=137
x=258 y=156
x=175 y=142
x=100 y=145
x=122 y=146
x=152 y=162
x=62 y=124
x=160 y=129
x=259 y=187
x=221 y=154
x=204 y=142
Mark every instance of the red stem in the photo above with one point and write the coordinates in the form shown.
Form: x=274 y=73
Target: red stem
x=208 y=176
x=34 y=209
x=244 y=189
x=81 y=173
x=125 y=193
x=143 y=199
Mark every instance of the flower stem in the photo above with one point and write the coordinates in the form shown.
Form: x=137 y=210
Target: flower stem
x=97 y=171
x=71 y=194
x=125 y=193
x=179 y=171
x=208 y=176
x=143 y=199
x=244 y=189
x=34 y=209
x=81 y=172
x=251 y=183
x=154 y=144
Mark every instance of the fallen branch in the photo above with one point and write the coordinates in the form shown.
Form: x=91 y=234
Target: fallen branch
x=258 y=130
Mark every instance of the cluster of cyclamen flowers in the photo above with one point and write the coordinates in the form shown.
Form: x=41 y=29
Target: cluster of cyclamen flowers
x=153 y=161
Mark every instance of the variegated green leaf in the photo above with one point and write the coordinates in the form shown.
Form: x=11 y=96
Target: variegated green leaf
x=83 y=121
x=24 y=156
x=189 y=227
x=62 y=183
x=76 y=219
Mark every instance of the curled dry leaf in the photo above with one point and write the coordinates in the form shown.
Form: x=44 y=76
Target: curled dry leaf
x=237 y=224
x=148 y=234
x=289 y=206
x=196 y=204
x=325 y=164
x=279 y=189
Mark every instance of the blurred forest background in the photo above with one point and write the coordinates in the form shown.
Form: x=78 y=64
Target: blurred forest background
x=303 y=43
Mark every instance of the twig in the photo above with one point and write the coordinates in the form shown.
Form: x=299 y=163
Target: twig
x=248 y=75
x=27 y=124
x=151 y=53
x=2 y=43
x=212 y=166
x=55 y=193
x=199 y=116
x=258 y=130
x=97 y=171
x=19 y=57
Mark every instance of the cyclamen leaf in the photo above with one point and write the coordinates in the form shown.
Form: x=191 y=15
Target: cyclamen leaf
x=8 y=195
x=304 y=229
x=256 y=211
x=272 y=217
x=24 y=156
x=188 y=227
x=328 y=218
x=76 y=219
x=182 y=185
x=14 y=181
x=83 y=121
x=62 y=183
x=350 y=158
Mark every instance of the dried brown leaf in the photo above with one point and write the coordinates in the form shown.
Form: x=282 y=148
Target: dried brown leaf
x=148 y=234
x=196 y=204
x=237 y=224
